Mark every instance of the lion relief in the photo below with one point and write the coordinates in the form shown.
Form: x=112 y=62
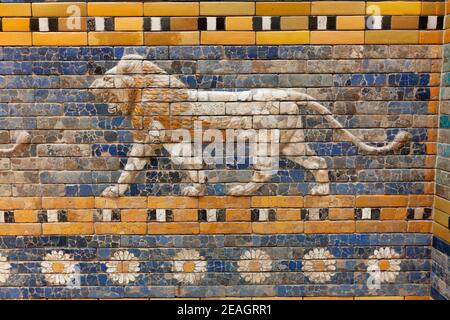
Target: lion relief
x=159 y=103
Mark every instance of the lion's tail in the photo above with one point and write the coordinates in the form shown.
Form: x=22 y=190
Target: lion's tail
x=399 y=140
x=23 y=137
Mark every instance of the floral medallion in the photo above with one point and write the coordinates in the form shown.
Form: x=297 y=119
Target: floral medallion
x=58 y=267
x=123 y=268
x=5 y=269
x=189 y=266
x=385 y=263
x=319 y=265
x=255 y=266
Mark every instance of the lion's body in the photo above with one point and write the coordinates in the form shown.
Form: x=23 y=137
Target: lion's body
x=159 y=104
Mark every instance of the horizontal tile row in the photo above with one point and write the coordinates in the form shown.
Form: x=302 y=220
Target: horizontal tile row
x=264 y=23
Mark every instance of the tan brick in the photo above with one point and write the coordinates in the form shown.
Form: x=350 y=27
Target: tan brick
x=172 y=202
x=392 y=37
x=288 y=214
x=323 y=8
x=238 y=215
x=419 y=226
x=8 y=203
x=276 y=202
x=294 y=23
x=439 y=203
x=341 y=214
x=239 y=23
x=393 y=214
x=217 y=202
x=337 y=37
x=121 y=202
x=15 y=9
x=120 y=228
x=173 y=228
x=381 y=201
x=329 y=201
x=58 y=9
x=133 y=215
x=441 y=217
x=115 y=38
x=172 y=9
x=80 y=215
x=115 y=9
x=227 y=37
x=441 y=232
x=282 y=37
x=225 y=227
x=68 y=228
x=283 y=8
x=420 y=200
x=329 y=226
x=20 y=229
x=185 y=215
x=68 y=203
x=278 y=227
x=381 y=226
x=60 y=39
x=215 y=8
x=172 y=38
x=25 y=216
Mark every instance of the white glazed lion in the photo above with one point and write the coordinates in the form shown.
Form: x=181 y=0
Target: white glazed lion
x=159 y=103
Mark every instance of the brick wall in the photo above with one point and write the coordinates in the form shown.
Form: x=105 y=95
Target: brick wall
x=332 y=218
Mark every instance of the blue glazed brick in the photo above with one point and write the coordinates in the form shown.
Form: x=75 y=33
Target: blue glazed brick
x=409 y=79
x=150 y=53
x=240 y=52
x=444 y=121
x=191 y=53
x=407 y=107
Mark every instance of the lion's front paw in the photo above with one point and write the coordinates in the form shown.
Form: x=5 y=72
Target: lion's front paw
x=111 y=192
x=321 y=189
x=191 y=191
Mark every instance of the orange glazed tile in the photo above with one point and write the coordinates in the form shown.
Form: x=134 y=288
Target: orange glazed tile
x=133 y=215
x=288 y=214
x=420 y=200
x=442 y=204
x=227 y=8
x=419 y=226
x=171 y=38
x=239 y=23
x=277 y=227
x=294 y=23
x=16 y=24
x=322 y=8
x=381 y=201
x=25 y=216
x=329 y=201
x=59 y=38
x=282 y=37
x=120 y=228
x=329 y=226
x=20 y=229
x=417 y=298
x=405 y=22
x=115 y=9
x=217 y=202
x=277 y=201
x=68 y=228
x=68 y=24
x=431 y=37
x=441 y=231
x=80 y=215
x=8 y=203
x=168 y=8
x=115 y=38
x=227 y=37
x=185 y=215
x=381 y=226
x=441 y=218
x=225 y=227
x=238 y=215
x=183 y=23
x=341 y=214
x=283 y=8
x=393 y=214
x=392 y=37
x=128 y=24
x=121 y=202
x=337 y=37
x=15 y=9
x=350 y=23
x=15 y=39
x=433 y=8
x=400 y=8
x=67 y=203
x=172 y=202
x=59 y=9
x=173 y=228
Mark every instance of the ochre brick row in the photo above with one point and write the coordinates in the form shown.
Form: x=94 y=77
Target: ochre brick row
x=238 y=227
x=223 y=8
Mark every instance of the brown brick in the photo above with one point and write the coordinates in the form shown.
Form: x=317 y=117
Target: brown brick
x=120 y=228
x=288 y=214
x=419 y=226
x=133 y=215
x=225 y=227
x=121 y=202
x=185 y=215
x=217 y=202
x=25 y=216
x=278 y=227
x=183 y=24
x=238 y=215
x=381 y=201
x=329 y=226
x=173 y=228
x=276 y=202
x=329 y=201
x=68 y=228
x=393 y=214
x=341 y=214
x=172 y=202
x=381 y=226
x=20 y=229
x=8 y=203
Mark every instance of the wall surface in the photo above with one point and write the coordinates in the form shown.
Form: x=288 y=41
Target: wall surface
x=93 y=206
